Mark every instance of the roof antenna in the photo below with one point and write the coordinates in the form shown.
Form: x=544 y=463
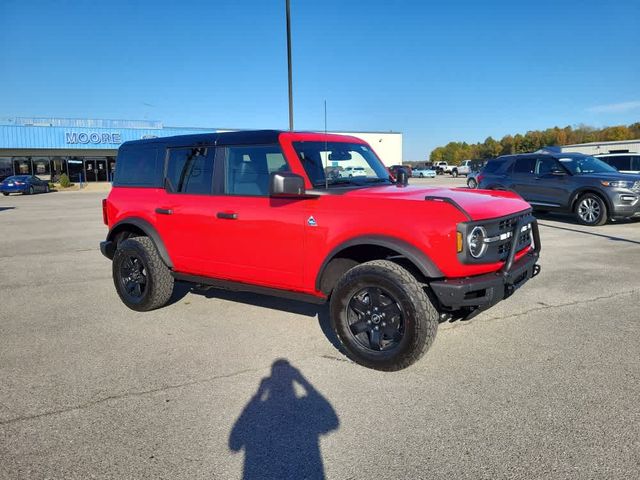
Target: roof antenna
x=326 y=152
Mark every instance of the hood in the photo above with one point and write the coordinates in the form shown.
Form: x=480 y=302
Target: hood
x=479 y=204
x=629 y=177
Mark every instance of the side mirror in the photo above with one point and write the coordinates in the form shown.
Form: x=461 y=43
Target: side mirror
x=286 y=184
x=402 y=177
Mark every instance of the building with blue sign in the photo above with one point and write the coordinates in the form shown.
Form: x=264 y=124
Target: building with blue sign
x=83 y=149
x=86 y=149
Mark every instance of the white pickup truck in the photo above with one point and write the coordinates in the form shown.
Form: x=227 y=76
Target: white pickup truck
x=454 y=170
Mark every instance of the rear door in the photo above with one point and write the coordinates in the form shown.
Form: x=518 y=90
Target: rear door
x=185 y=211
x=523 y=178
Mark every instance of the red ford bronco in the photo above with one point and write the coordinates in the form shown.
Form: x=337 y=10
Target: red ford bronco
x=255 y=211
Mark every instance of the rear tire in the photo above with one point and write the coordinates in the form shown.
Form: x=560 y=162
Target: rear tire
x=6 y=194
x=141 y=278
x=472 y=183
x=591 y=210
x=382 y=316
x=31 y=190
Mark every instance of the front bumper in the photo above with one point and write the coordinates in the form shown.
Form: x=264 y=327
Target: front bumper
x=472 y=295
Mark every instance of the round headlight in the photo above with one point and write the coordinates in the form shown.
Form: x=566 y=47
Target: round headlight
x=475 y=242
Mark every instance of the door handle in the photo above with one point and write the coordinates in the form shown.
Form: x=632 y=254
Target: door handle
x=227 y=215
x=164 y=211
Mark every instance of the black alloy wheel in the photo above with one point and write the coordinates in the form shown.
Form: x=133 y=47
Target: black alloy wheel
x=382 y=315
x=375 y=318
x=133 y=278
x=141 y=278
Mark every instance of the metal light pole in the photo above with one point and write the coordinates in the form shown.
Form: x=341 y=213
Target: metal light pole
x=289 y=66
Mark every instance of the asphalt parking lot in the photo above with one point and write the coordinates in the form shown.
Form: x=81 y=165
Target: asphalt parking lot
x=544 y=385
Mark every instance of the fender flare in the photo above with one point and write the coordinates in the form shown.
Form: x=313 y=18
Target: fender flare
x=149 y=231
x=426 y=266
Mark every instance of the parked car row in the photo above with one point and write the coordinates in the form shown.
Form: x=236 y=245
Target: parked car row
x=25 y=184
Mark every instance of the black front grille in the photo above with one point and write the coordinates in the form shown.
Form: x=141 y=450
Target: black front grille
x=500 y=233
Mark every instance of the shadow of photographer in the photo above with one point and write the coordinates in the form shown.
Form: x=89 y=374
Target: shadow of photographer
x=279 y=429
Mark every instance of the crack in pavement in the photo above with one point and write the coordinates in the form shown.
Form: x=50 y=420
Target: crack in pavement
x=548 y=307
x=142 y=393
x=90 y=404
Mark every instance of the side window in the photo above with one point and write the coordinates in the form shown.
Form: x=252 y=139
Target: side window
x=620 y=163
x=249 y=168
x=190 y=170
x=525 y=165
x=138 y=166
x=546 y=165
x=635 y=163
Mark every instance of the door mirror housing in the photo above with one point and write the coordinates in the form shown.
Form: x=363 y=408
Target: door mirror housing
x=286 y=184
x=402 y=177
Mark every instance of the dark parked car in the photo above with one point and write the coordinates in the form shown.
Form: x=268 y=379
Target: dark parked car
x=25 y=184
x=571 y=182
x=623 y=162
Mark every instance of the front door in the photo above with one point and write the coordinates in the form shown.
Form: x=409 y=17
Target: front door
x=101 y=170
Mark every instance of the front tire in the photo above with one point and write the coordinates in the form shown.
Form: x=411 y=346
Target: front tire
x=591 y=210
x=454 y=173
x=141 y=278
x=382 y=316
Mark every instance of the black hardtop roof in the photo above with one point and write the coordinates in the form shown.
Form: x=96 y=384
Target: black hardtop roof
x=250 y=137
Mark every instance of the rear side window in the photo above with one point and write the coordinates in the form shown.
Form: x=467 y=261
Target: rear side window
x=138 y=166
x=190 y=170
x=493 y=166
x=620 y=163
x=525 y=165
x=635 y=163
x=249 y=168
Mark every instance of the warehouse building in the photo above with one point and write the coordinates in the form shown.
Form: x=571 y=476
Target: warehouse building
x=86 y=149
x=596 y=148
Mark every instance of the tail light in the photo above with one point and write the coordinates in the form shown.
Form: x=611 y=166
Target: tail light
x=104 y=212
x=479 y=179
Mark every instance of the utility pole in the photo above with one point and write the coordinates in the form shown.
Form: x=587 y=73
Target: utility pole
x=289 y=65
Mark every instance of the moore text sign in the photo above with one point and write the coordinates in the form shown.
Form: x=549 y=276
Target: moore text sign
x=92 y=137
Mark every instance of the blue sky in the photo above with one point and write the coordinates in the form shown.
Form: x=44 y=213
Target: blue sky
x=436 y=71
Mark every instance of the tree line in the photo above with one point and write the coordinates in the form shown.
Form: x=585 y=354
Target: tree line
x=455 y=152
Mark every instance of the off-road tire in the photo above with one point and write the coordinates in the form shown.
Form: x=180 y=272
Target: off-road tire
x=419 y=315
x=159 y=285
x=592 y=198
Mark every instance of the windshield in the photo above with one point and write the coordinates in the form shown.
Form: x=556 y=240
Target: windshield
x=581 y=165
x=338 y=163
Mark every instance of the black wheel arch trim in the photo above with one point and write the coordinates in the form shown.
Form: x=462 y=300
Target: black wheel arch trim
x=596 y=191
x=149 y=231
x=426 y=266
